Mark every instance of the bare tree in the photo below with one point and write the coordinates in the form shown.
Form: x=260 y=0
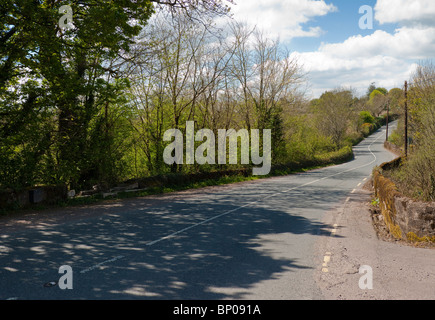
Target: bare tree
x=266 y=74
x=334 y=110
x=170 y=84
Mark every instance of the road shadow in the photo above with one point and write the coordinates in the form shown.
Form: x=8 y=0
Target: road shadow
x=221 y=259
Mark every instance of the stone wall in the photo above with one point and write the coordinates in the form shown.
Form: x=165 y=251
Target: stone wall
x=10 y=199
x=405 y=218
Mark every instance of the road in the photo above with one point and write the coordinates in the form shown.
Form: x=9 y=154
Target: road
x=252 y=240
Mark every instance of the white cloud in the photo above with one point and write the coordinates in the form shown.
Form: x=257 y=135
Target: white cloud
x=356 y=73
x=405 y=11
x=384 y=58
x=406 y=42
x=282 y=18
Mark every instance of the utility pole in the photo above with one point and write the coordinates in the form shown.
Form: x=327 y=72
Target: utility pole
x=406 y=118
x=388 y=115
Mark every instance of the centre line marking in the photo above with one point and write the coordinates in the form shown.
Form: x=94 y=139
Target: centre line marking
x=101 y=264
x=267 y=197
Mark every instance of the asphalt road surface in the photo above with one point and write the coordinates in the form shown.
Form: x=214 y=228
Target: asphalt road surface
x=250 y=240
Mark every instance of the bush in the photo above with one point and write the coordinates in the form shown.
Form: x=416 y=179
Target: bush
x=396 y=138
x=416 y=177
x=340 y=156
x=420 y=173
x=367 y=129
x=365 y=117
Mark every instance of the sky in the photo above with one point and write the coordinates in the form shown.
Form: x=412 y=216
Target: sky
x=326 y=38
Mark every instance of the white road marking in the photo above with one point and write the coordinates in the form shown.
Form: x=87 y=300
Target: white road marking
x=101 y=264
x=198 y=224
x=334 y=231
x=266 y=197
x=326 y=259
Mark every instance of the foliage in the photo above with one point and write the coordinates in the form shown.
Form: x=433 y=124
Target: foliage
x=383 y=91
x=66 y=86
x=370 y=89
x=366 y=117
x=334 y=110
x=416 y=177
x=89 y=105
x=396 y=99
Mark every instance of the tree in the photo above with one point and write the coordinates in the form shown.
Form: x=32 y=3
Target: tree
x=396 y=98
x=382 y=90
x=70 y=74
x=334 y=111
x=267 y=77
x=196 y=9
x=370 y=89
x=180 y=79
x=366 y=117
x=377 y=103
x=418 y=171
x=70 y=68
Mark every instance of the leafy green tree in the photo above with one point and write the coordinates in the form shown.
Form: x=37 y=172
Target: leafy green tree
x=382 y=90
x=70 y=68
x=417 y=174
x=57 y=85
x=375 y=93
x=366 y=117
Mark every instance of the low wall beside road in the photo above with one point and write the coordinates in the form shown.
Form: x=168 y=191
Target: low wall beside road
x=10 y=199
x=405 y=218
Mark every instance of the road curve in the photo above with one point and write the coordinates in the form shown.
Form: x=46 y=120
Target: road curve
x=250 y=240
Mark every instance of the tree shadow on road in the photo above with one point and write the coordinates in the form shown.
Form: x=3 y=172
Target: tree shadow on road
x=220 y=259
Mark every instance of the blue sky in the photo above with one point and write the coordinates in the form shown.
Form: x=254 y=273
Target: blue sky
x=338 y=25
x=325 y=37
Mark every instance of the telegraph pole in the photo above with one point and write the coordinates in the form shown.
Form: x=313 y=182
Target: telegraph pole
x=406 y=118
x=388 y=115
